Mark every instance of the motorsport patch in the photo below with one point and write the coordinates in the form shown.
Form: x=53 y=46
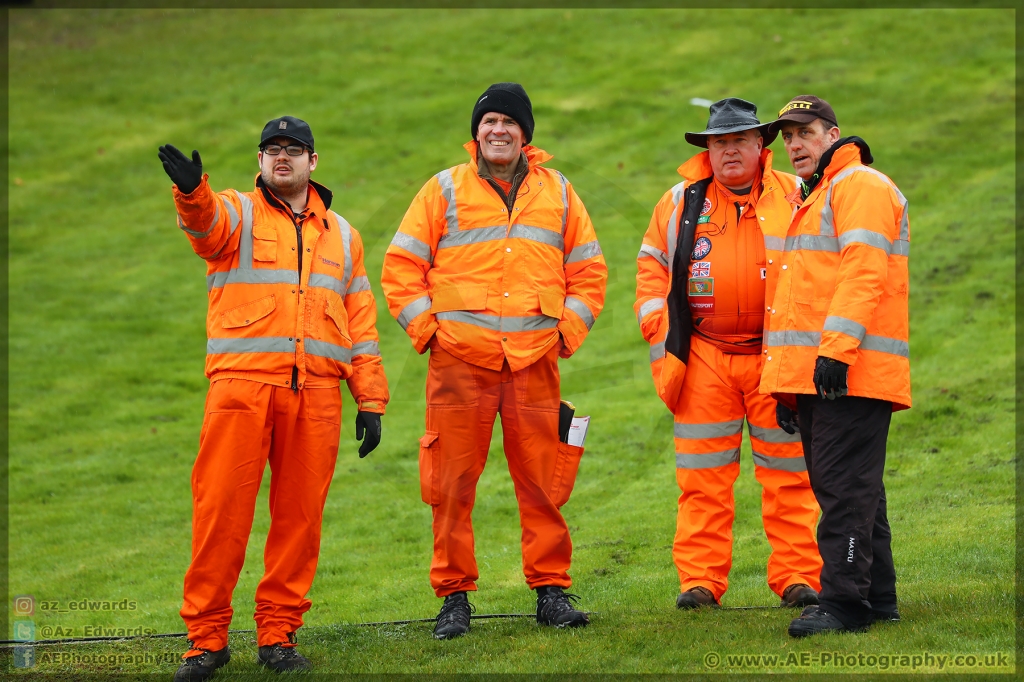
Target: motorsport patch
x=703 y=305
x=701 y=248
x=702 y=286
x=701 y=268
x=707 y=207
x=703 y=219
x=764 y=273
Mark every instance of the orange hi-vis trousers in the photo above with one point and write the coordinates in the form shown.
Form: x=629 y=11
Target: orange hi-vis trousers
x=462 y=403
x=247 y=424
x=719 y=389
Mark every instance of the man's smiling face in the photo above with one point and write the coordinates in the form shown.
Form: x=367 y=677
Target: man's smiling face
x=500 y=139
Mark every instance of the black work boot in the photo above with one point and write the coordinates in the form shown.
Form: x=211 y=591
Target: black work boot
x=879 y=616
x=555 y=607
x=799 y=594
x=453 y=620
x=815 y=620
x=283 y=657
x=695 y=597
x=201 y=667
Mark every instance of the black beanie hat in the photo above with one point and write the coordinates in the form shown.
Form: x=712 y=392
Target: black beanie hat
x=509 y=99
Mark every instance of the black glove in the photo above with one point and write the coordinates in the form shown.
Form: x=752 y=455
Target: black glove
x=787 y=419
x=184 y=173
x=830 y=378
x=370 y=421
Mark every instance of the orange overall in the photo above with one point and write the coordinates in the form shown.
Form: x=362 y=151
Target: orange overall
x=498 y=293
x=729 y=272
x=290 y=315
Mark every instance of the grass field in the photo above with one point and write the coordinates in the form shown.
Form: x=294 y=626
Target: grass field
x=107 y=306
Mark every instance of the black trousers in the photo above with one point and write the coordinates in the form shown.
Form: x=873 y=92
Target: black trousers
x=844 y=446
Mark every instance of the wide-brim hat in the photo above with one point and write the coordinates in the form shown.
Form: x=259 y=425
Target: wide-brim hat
x=732 y=115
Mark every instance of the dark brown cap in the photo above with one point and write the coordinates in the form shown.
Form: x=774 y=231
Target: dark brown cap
x=804 y=109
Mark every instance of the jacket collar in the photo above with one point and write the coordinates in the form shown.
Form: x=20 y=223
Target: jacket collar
x=699 y=167
x=534 y=155
x=844 y=152
x=318 y=201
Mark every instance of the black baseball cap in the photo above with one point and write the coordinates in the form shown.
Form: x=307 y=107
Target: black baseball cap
x=288 y=126
x=805 y=109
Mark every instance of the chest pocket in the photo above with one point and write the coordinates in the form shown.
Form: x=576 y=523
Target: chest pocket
x=264 y=243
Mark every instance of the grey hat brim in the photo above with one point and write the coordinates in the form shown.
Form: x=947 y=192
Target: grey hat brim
x=701 y=139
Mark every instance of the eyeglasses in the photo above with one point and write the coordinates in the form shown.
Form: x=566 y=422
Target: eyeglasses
x=292 y=149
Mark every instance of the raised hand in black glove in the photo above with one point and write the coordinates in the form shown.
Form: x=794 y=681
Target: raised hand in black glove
x=185 y=173
x=787 y=419
x=830 y=378
x=370 y=422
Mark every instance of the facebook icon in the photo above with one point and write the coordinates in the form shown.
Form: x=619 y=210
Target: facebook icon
x=24 y=657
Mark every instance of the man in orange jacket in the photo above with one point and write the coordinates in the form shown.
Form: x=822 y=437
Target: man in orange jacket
x=838 y=353
x=290 y=315
x=708 y=263
x=497 y=270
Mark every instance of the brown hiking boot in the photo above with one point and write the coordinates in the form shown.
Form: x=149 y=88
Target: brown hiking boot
x=799 y=595
x=695 y=597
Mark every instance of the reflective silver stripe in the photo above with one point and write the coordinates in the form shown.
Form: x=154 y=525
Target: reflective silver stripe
x=324 y=349
x=885 y=344
x=790 y=338
x=648 y=251
x=580 y=308
x=810 y=242
x=259 y=344
x=775 y=243
x=827 y=218
x=245 y=241
x=583 y=252
x=448 y=191
x=865 y=236
x=709 y=460
x=346 y=246
x=495 y=323
x=475 y=235
x=322 y=281
x=537 y=234
x=649 y=307
x=358 y=284
x=253 y=276
x=411 y=310
x=900 y=247
x=213 y=223
x=673 y=222
x=366 y=348
x=732 y=427
x=794 y=464
x=232 y=214
x=766 y=435
x=834 y=323
x=412 y=245
x=657 y=351
x=565 y=201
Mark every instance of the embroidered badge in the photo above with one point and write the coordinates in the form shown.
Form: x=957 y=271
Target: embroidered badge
x=283 y=125
x=702 y=286
x=701 y=248
x=701 y=268
x=702 y=305
x=707 y=207
x=703 y=219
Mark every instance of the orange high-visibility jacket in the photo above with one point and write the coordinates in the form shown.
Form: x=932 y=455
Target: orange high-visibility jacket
x=286 y=308
x=496 y=285
x=844 y=286
x=663 y=264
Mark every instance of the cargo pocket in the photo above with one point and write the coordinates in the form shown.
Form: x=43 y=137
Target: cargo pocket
x=339 y=316
x=428 y=468
x=552 y=301
x=566 y=466
x=247 y=313
x=264 y=243
x=446 y=299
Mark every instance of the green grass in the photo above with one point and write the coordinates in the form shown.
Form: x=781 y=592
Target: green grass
x=107 y=307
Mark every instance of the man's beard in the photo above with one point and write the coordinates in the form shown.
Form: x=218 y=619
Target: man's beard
x=288 y=187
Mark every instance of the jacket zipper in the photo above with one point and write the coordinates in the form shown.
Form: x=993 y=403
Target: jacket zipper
x=298 y=241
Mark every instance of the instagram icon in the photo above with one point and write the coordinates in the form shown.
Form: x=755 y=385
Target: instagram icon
x=24 y=605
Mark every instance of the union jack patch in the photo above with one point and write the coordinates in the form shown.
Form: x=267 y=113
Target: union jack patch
x=700 y=269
